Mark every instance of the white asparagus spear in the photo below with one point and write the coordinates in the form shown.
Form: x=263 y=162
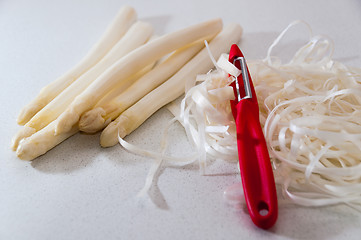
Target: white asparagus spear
x=136 y=36
x=130 y=64
x=119 y=26
x=97 y=118
x=134 y=116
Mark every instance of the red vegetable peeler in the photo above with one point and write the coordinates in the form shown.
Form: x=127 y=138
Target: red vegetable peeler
x=255 y=166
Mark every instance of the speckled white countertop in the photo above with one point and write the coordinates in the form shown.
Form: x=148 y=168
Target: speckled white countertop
x=80 y=191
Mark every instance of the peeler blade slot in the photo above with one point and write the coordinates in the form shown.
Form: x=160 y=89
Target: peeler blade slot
x=245 y=77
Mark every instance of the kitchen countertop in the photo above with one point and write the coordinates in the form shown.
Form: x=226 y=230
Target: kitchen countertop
x=80 y=191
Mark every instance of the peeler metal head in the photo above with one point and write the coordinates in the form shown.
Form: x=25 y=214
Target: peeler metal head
x=245 y=77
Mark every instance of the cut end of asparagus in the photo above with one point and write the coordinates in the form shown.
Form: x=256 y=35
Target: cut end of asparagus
x=66 y=121
x=93 y=120
x=21 y=134
x=109 y=136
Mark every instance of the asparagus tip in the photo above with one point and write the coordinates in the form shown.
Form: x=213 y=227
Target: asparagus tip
x=24 y=152
x=93 y=120
x=27 y=113
x=21 y=134
x=109 y=136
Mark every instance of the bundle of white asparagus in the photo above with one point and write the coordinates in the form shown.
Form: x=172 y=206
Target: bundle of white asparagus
x=120 y=83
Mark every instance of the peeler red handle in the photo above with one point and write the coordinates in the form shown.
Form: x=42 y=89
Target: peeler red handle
x=256 y=171
x=255 y=165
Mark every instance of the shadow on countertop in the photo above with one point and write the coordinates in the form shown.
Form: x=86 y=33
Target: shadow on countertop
x=75 y=153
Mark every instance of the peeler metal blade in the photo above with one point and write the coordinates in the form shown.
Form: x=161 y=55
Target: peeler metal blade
x=245 y=76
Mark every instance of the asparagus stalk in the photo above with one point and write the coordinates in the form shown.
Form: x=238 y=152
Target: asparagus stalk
x=134 y=116
x=124 y=19
x=97 y=118
x=136 y=36
x=122 y=86
x=130 y=64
